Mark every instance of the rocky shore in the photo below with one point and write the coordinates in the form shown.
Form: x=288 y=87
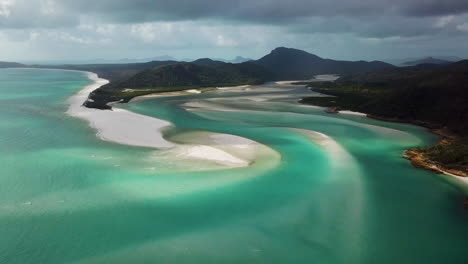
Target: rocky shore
x=419 y=159
x=418 y=156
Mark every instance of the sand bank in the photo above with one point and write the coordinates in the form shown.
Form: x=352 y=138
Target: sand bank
x=119 y=125
x=128 y=128
x=347 y=112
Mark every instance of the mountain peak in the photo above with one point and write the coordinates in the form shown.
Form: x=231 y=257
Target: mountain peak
x=294 y=64
x=207 y=62
x=426 y=60
x=291 y=52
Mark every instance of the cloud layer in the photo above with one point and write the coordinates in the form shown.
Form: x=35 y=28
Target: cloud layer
x=229 y=26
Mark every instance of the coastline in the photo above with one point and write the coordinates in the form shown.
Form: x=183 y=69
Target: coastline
x=415 y=155
x=124 y=127
x=420 y=160
x=119 y=125
x=128 y=128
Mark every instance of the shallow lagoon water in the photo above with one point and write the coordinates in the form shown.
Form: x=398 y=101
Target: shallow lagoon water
x=341 y=194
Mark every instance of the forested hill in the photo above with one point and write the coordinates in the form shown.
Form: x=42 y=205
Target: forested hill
x=428 y=60
x=4 y=64
x=294 y=64
x=180 y=76
x=436 y=96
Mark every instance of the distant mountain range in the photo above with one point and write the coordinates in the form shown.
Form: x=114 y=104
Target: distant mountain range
x=428 y=60
x=404 y=62
x=101 y=61
x=5 y=64
x=238 y=59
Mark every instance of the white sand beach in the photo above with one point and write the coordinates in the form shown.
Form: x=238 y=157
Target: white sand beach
x=119 y=125
x=347 y=112
x=127 y=128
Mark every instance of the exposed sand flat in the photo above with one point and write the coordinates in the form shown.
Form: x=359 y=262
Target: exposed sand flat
x=194 y=91
x=346 y=112
x=221 y=104
x=165 y=94
x=207 y=105
x=258 y=98
x=248 y=89
x=128 y=128
x=290 y=82
x=317 y=78
x=326 y=77
x=242 y=87
x=242 y=149
x=119 y=125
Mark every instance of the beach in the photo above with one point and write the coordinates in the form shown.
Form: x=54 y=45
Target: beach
x=127 y=128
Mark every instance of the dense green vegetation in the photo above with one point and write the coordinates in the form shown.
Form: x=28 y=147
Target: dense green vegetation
x=428 y=60
x=280 y=64
x=454 y=154
x=176 y=77
x=436 y=97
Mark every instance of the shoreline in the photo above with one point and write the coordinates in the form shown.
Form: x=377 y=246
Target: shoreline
x=418 y=158
x=143 y=131
x=415 y=156
x=118 y=125
x=128 y=128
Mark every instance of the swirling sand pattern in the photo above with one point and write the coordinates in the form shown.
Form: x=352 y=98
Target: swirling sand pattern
x=333 y=188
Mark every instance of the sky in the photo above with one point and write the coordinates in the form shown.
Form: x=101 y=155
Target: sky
x=340 y=29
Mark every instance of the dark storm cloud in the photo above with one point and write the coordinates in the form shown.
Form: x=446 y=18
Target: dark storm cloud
x=368 y=18
x=436 y=7
x=379 y=27
x=266 y=11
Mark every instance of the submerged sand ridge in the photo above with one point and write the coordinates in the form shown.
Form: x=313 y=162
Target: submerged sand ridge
x=127 y=128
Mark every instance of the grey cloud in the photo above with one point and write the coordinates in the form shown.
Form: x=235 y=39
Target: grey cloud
x=436 y=7
x=267 y=11
x=374 y=18
x=332 y=26
x=384 y=26
x=35 y=14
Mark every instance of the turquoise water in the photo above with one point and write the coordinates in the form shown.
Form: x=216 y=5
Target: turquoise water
x=68 y=197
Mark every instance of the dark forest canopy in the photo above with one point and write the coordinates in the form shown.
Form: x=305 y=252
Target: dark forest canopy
x=437 y=96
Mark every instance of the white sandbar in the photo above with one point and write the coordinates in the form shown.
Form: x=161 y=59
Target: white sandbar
x=128 y=128
x=119 y=125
